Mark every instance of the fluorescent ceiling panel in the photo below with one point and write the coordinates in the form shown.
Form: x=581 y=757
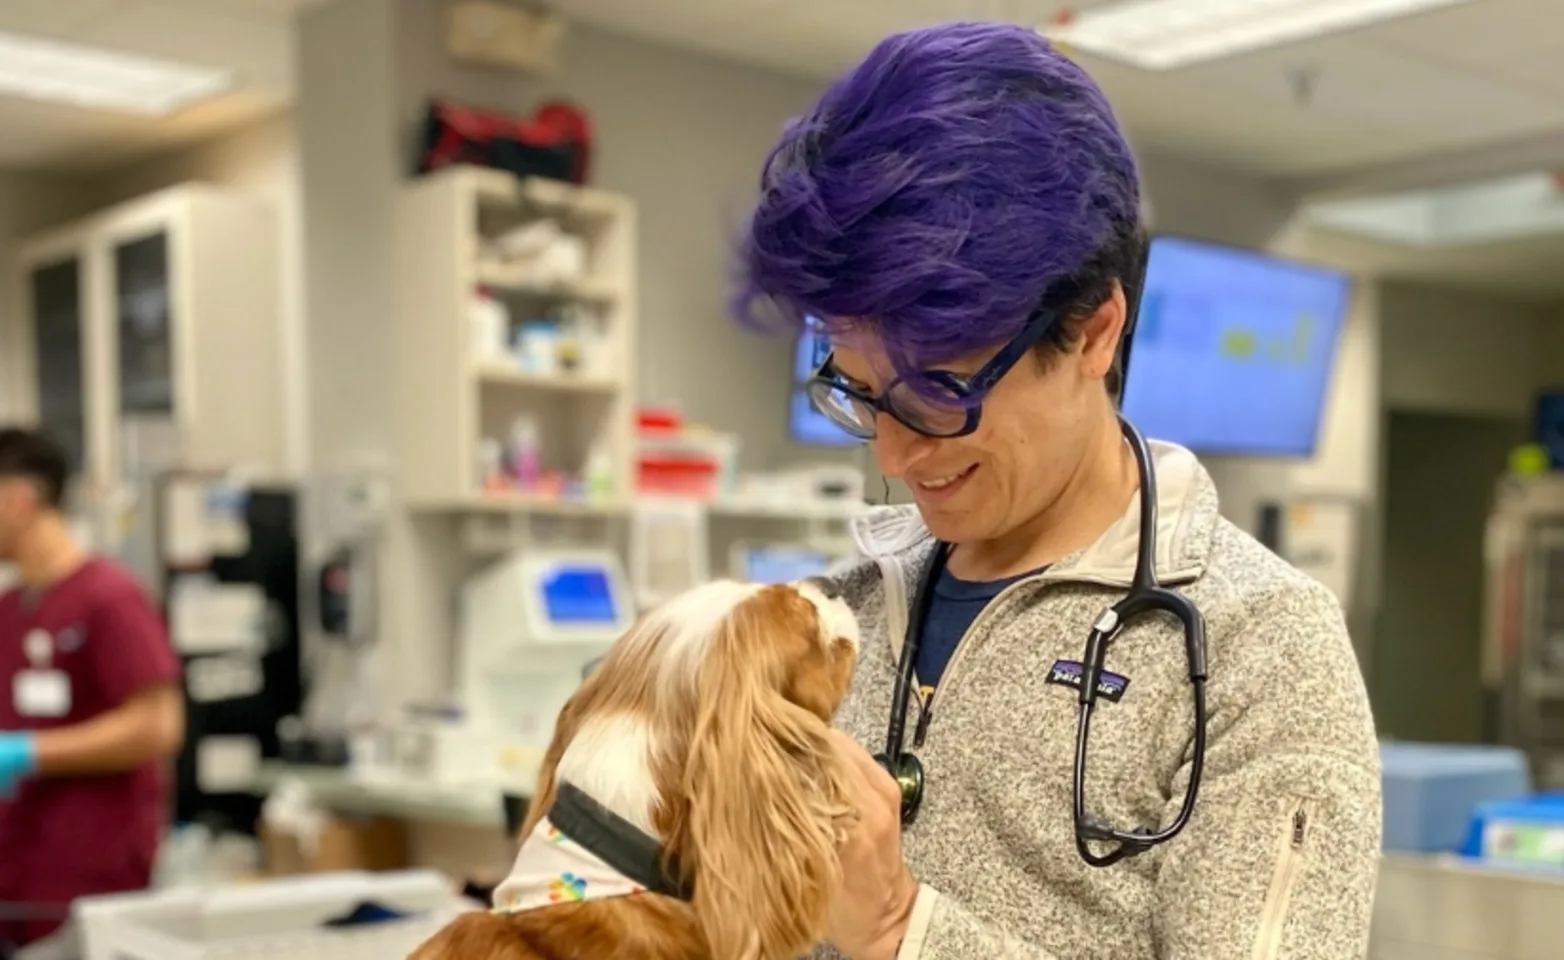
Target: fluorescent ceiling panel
x=1504 y=209
x=1167 y=34
x=58 y=72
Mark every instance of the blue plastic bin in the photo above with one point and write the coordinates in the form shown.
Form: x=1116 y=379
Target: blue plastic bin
x=1432 y=791
x=1527 y=832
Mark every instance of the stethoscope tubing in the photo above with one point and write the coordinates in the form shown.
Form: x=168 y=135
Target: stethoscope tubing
x=1145 y=595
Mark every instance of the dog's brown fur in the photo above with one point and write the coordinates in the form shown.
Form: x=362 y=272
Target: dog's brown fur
x=751 y=798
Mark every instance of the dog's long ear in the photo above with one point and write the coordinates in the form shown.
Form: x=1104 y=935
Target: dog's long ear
x=766 y=794
x=617 y=681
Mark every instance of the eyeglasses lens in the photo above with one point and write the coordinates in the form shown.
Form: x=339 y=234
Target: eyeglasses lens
x=938 y=415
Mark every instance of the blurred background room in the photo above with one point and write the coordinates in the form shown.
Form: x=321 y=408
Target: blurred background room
x=390 y=343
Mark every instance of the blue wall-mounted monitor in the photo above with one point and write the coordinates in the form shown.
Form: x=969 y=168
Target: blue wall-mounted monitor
x=778 y=562
x=1233 y=350
x=805 y=424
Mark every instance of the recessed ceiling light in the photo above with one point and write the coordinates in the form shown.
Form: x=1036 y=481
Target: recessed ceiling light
x=1165 y=34
x=59 y=72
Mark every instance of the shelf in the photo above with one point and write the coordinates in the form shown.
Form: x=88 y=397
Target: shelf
x=451 y=401
x=522 y=505
x=493 y=187
x=786 y=509
x=401 y=797
x=511 y=279
x=569 y=202
x=573 y=205
x=500 y=374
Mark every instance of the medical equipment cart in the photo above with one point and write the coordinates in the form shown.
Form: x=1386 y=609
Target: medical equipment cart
x=1523 y=642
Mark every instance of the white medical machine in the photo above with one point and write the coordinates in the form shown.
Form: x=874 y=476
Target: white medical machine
x=530 y=625
x=769 y=563
x=669 y=549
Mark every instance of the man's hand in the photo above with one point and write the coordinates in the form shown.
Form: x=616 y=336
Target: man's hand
x=18 y=759
x=871 y=913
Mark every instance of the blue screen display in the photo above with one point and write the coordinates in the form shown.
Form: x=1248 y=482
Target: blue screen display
x=579 y=594
x=805 y=423
x=782 y=564
x=1233 y=349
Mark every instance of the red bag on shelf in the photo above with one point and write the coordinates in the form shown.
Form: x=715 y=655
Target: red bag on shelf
x=555 y=142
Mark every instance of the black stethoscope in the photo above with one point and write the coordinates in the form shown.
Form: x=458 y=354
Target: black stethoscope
x=1145 y=596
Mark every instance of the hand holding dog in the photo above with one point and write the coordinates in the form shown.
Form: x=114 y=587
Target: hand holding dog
x=874 y=906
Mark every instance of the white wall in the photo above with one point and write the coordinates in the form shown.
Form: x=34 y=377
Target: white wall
x=1448 y=351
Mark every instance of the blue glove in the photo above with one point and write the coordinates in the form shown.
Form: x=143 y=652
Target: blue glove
x=18 y=759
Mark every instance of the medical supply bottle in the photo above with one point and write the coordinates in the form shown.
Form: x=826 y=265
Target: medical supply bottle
x=599 y=473
x=490 y=328
x=525 y=458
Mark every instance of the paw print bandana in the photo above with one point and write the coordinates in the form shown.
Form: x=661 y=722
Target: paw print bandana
x=551 y=868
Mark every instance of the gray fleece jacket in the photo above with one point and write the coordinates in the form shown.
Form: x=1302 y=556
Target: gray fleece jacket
x=1280 y=858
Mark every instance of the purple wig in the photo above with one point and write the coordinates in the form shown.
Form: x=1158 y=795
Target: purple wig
x=938 y=192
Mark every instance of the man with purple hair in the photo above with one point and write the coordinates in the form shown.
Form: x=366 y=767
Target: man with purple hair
x=961 y=214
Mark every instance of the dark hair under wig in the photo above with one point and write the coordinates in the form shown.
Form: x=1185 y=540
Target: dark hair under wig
x=956 y=179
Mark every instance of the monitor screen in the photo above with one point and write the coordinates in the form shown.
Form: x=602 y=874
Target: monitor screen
x=1233 y=350
x=805 y=423
x=782 y=564
x=579 y=595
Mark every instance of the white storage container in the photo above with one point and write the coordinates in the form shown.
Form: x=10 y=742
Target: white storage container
x=270 y=920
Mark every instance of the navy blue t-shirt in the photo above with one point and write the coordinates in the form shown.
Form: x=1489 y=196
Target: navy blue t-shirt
x=955 y=605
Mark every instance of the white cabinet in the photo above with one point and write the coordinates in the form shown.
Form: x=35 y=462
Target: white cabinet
x=148 y=336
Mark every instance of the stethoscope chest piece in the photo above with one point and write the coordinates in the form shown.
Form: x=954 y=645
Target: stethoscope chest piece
x=907 y=771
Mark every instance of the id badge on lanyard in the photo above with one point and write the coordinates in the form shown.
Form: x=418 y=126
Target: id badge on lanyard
x=40 y=691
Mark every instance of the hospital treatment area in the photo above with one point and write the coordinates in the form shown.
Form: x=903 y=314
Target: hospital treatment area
x=760 y=480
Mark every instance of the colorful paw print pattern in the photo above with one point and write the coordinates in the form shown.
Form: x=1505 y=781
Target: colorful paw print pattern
x=567 y=887
x=552 y=834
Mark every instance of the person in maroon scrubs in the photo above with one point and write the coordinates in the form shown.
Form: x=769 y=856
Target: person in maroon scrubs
x=91 y=706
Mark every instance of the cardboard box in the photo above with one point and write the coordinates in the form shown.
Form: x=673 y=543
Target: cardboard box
x=346 y=843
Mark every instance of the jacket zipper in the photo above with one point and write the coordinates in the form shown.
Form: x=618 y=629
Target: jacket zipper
x=1289 y=864
x=927 y=695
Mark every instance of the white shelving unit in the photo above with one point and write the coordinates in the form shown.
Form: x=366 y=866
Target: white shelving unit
x=451 y=397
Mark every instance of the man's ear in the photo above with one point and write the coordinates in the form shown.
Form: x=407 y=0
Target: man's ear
x=1101 y=333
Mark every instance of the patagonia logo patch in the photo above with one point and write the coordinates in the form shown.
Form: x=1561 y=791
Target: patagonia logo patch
x=1068 y=673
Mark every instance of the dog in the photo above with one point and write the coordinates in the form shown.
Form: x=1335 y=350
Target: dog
x=689 y=806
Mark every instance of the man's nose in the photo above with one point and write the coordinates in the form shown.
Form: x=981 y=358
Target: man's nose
x=895 y=446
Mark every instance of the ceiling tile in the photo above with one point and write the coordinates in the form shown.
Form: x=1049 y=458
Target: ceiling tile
x=689 y=21
x=1484 y=32
x=260 y=54
x=269 y=10
x=1360 y=81
x=51 y=18
x=1517 y=42
x=1382 y=95
x=1542 y=73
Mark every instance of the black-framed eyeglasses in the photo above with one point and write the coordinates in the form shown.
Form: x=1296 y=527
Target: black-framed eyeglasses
x=947 y=405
